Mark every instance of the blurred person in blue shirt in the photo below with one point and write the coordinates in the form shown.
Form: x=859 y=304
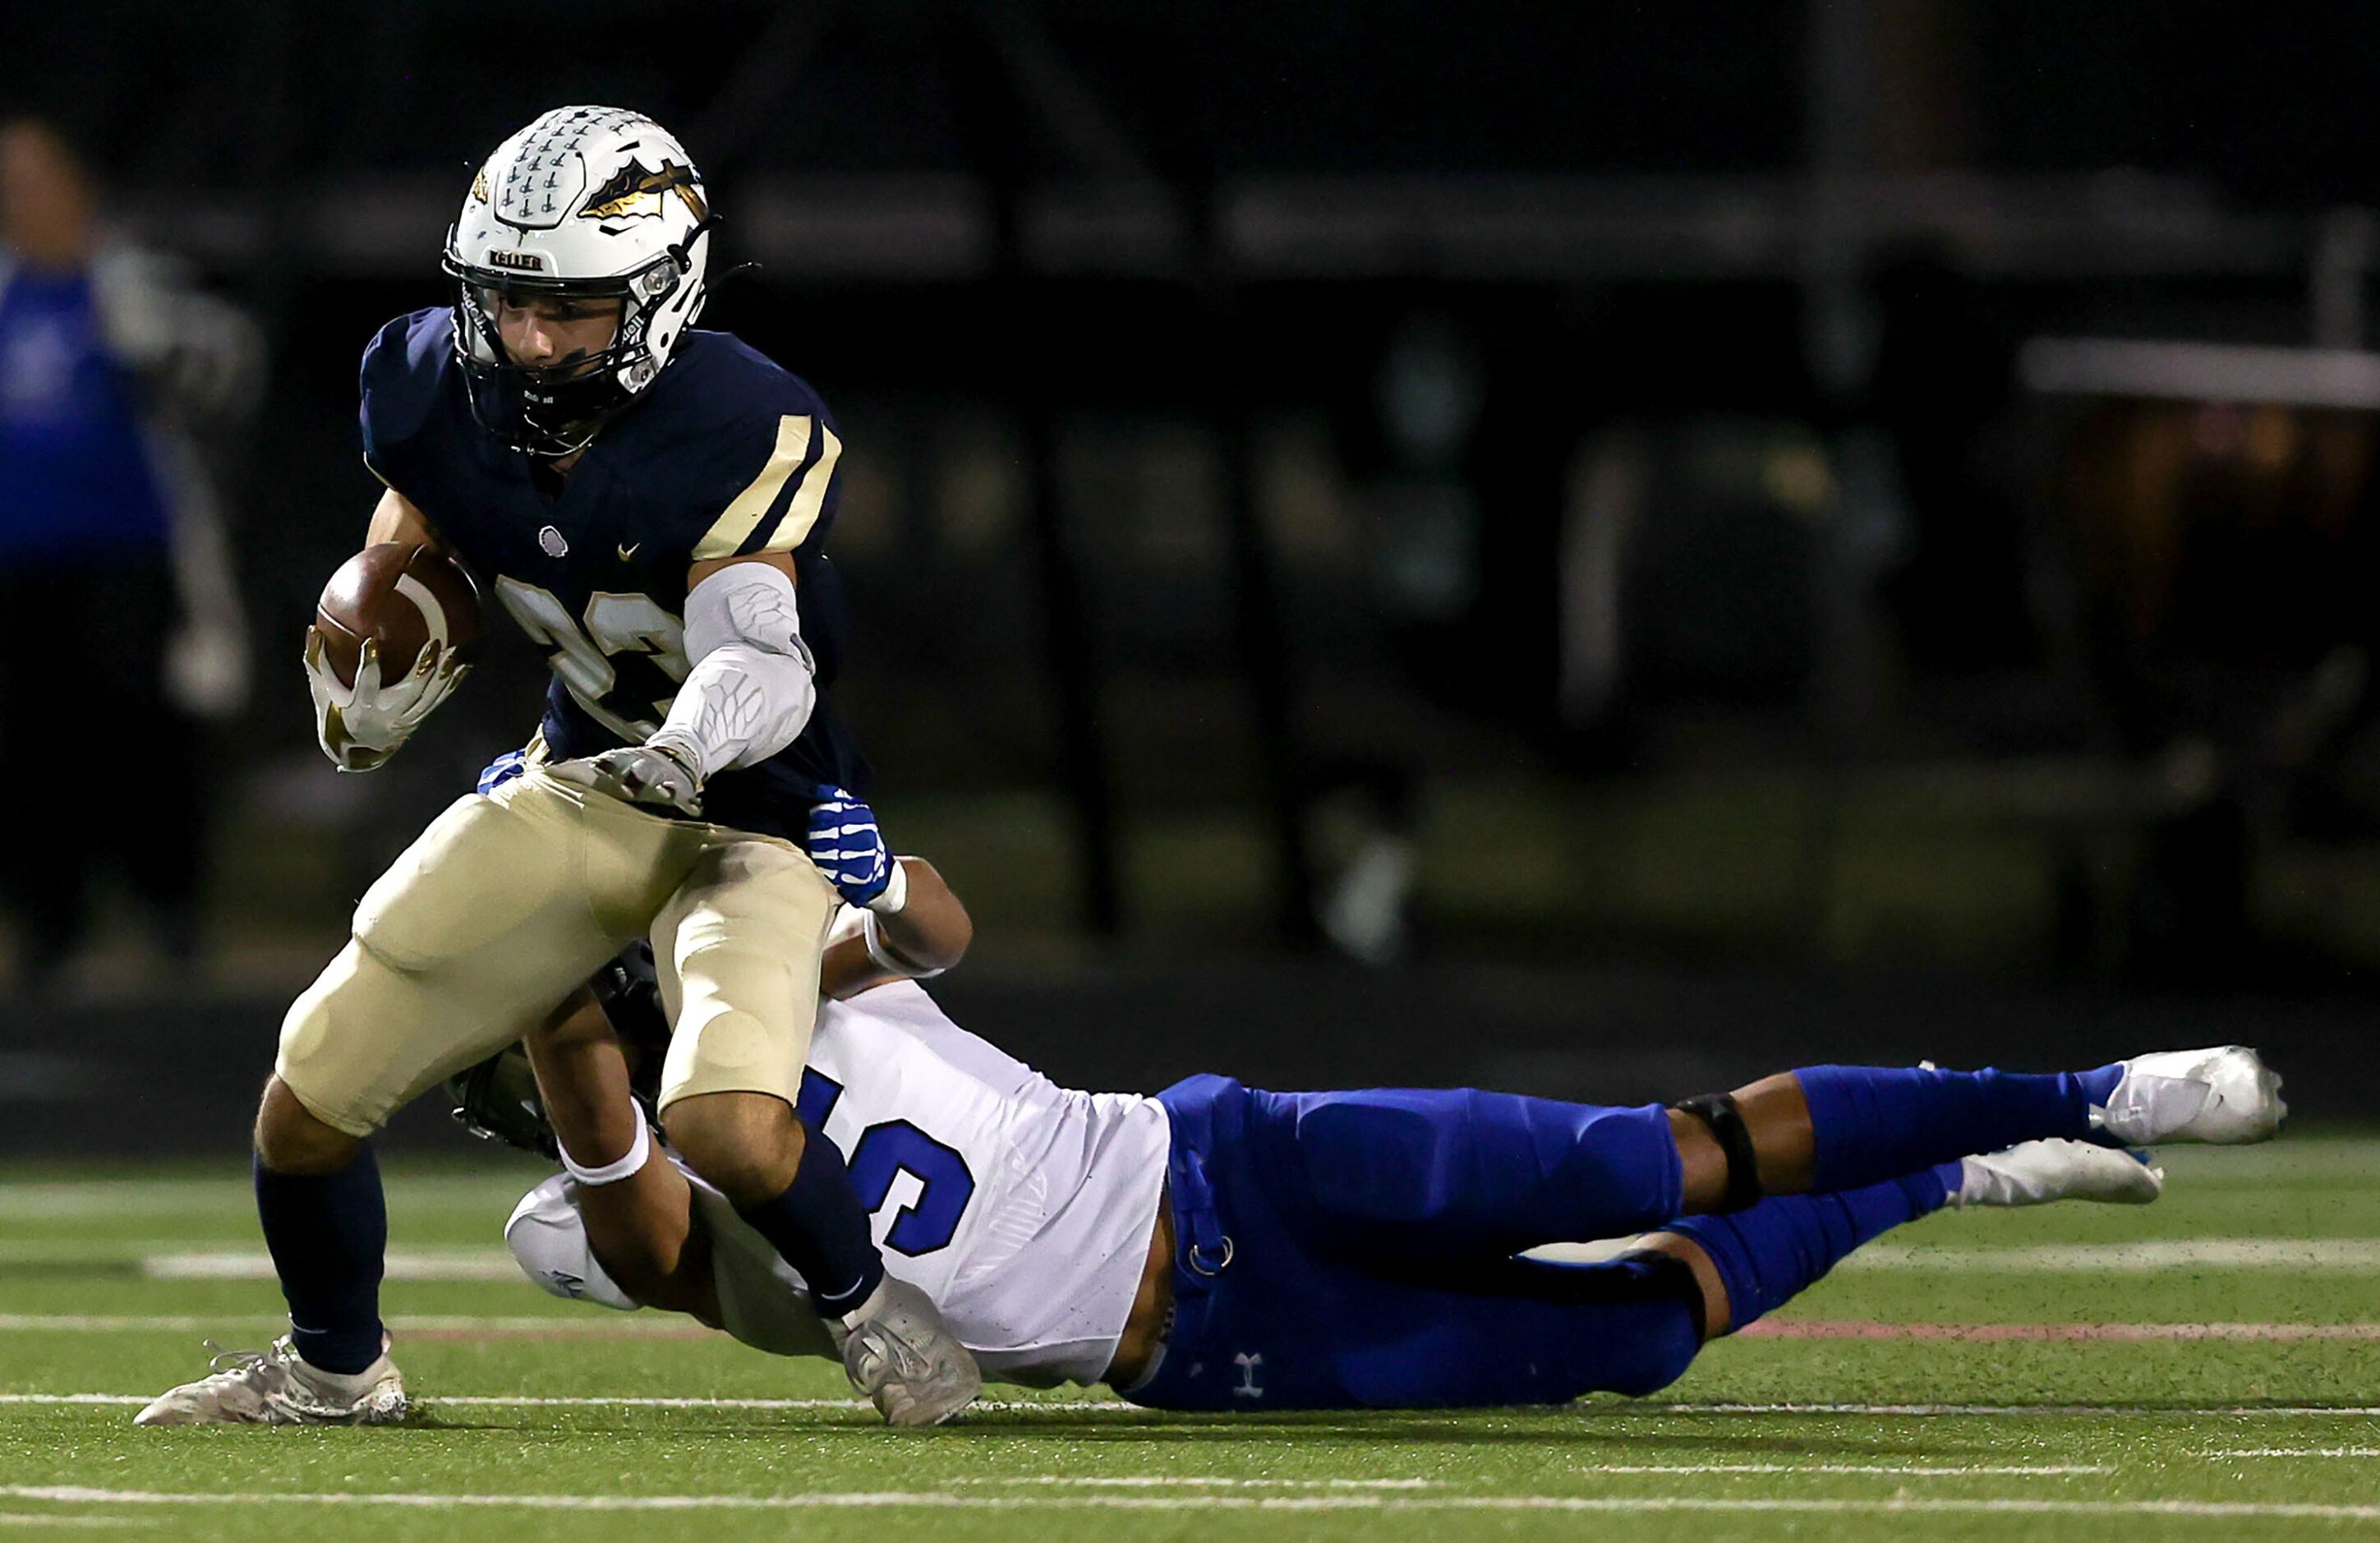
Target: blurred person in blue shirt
x=120 y=626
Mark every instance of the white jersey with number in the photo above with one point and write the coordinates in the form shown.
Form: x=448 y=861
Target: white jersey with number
x=1022 y=1208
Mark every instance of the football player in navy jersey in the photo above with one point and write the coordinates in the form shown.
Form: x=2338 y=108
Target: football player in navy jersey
x=650 y=503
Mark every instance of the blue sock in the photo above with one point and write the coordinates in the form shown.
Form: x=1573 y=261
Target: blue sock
x=1874 y=1123
x=819 y=1228
x=327 y=1234
x=1773 y=1251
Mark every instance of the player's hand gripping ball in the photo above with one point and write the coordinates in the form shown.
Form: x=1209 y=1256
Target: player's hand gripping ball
x=392 y=638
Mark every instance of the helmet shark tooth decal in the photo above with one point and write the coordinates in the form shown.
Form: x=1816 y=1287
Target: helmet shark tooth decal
x=636 y=193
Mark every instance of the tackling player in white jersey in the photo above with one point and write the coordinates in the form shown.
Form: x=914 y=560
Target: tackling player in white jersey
x=1220 y=1248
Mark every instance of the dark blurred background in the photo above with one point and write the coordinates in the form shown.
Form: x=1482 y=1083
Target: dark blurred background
x=1596 y=548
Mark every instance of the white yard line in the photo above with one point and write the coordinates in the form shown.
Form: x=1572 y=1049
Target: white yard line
x=62 y=1519
x=1173 y=1481
x=2059 y=1259
x=403 y=1264
x=1168 y=1481
x=53 y=1199
x=608 y=1325
x=159 y=1260
x=175 y=1259
x=502 y=1400
x=1901 y=1470
x=2282 y=1161
x=2292 y=1451
x=36 y=1199
x=2061 y=1333
x=1928 y=1411
x=2215 y=1252
x=1117 y=1406
x=950 y=1501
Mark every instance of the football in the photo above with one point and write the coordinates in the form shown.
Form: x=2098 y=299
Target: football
x=413 y=602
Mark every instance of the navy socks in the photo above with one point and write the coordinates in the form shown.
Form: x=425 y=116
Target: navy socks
x=1774 y=1251
x=817 y=1227
x=1877 y=1123
x=327 y=1234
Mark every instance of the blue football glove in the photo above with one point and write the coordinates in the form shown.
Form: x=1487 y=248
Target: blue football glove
x=503 y=768
x=848 y=848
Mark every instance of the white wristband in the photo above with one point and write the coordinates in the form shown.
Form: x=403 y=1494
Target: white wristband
x=887 y=957
x=612 y=1173
x=896 y=895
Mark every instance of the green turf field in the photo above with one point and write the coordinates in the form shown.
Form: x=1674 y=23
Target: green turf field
x=2202 y=1368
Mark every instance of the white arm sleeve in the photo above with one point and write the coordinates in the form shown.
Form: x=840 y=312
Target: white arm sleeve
x=752 y=683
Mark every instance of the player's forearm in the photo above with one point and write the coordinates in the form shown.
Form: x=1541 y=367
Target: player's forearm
x=396 y=518
x=931 y=933
x=741 y=704
x=751 y=688
x=582 y=1074
x=931 y=930
x=639 y=1223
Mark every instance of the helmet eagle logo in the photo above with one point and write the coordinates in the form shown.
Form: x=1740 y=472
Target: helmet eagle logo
x=634 y=193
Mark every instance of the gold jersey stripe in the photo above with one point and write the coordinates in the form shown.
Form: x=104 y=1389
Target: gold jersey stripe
x=751 y=505
x=809 y=498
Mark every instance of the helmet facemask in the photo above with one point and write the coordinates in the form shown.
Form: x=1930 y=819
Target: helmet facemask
x=550 y=411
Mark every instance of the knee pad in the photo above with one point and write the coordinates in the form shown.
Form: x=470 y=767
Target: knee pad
x=1725 y=1121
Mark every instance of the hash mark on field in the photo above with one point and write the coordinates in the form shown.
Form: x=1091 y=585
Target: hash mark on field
x=945 y=1499
x=1868 y=1328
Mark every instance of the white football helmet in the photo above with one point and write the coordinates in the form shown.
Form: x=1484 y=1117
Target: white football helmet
x=588 y=202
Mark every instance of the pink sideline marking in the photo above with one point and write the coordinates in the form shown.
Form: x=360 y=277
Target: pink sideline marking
x=1869 y=1328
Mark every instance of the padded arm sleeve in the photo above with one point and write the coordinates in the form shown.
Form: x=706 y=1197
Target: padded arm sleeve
x=752 y=684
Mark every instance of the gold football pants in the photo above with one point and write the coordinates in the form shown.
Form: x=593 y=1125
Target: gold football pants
x=510 y=900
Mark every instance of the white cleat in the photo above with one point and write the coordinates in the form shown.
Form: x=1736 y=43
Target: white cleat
x=897 y=1350
x=278 y=1386
x=2038 y=1173
x=2225 y=1095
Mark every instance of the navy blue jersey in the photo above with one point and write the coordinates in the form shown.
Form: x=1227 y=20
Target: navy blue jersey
x=725 y=455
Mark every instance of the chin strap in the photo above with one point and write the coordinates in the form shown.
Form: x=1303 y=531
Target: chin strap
x=681 y=252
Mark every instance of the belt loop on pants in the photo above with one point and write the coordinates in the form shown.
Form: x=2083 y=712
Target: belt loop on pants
x=1206 y=1247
